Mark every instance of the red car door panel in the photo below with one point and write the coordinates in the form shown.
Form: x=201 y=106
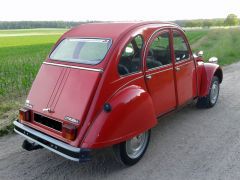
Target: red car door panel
x=161 y=89
x=160 y=73
x=185 y=71
x=186 y=83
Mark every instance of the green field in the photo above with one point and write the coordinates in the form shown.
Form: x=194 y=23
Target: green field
x=23 y=51
x=21 y=54
x=20 y=58
x=222 y=43
x=43 y=31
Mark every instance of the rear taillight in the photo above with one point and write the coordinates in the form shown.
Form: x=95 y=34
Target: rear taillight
x=24 y=114
x=69 y=131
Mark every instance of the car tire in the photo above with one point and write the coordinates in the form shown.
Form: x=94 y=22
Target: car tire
x=211 y=99
x=130 y=152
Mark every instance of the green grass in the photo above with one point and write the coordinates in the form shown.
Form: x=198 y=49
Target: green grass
x=20 y=60
x=20 y=63
x=221 y=43
x=46 y=31
x=14 y=41
x=23 y=51
x=195 y=35
x=6 y=130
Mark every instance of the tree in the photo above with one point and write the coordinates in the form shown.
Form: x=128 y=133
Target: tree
x=207 y=23
x=218 y=22
x=232 y=20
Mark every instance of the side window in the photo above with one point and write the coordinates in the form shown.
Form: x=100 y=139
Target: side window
x=180 y=47
x=159 y=51
x=130 y=60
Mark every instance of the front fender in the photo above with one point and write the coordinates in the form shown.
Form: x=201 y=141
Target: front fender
x=209 y=70
x=131 y=113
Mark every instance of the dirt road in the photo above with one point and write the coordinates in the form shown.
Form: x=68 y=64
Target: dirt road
x=189 y=144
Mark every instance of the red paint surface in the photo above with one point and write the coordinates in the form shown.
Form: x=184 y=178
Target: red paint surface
x=136 y=102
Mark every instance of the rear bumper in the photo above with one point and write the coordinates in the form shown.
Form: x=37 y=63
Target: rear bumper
x=52 y=144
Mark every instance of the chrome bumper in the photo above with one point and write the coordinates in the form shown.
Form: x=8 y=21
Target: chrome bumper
x=52 y=144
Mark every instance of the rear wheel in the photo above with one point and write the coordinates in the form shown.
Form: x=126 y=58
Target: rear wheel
x=131 y=151
x=211 y=99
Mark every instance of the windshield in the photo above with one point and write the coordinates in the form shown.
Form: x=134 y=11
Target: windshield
x=86 y=51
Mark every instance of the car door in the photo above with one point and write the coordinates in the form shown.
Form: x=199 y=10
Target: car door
x=184 y=66
x=159 y=73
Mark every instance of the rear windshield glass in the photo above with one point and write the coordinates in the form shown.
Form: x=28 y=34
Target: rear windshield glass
x=86 y=51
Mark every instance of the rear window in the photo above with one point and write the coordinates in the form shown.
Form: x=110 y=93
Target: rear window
x=85 y=51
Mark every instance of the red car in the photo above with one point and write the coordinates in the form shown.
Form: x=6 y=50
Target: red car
x=105 y=84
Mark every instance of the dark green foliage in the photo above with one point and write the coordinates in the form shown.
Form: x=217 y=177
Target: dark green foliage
x=39 y=24
x=232 y=20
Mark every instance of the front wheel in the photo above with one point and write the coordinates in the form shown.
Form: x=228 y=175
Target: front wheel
x=211 y=99
x=131 y=151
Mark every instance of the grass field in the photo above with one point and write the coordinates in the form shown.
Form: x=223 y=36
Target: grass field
x=23 y=51
x=20 y=58
x=42 y=31
x=21 y=54
x=222 y=43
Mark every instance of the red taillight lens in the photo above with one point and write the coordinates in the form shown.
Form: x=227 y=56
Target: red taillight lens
x=24 y=114
x=69 y=131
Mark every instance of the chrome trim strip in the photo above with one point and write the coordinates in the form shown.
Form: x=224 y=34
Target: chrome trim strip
x=74 y=67
x=160 y=67
x=45 y=137
x=182 y=63
x=163 y=29
x=160 y=71
x=47 y=147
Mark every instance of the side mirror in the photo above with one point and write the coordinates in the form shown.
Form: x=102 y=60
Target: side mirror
x=200 y=53
x=213 y=60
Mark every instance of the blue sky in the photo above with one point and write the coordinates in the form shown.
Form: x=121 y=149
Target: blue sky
x=121 y=10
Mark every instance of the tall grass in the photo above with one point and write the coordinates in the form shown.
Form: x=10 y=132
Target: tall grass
x=195 y=35
x=20 y=59
x=221 y=43
x=16 y=75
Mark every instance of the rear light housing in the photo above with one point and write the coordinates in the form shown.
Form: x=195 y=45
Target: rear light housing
x=69 y=131
x=24 y=114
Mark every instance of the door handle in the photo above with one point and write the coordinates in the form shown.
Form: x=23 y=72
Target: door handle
x=177 y=68
x=148 y=77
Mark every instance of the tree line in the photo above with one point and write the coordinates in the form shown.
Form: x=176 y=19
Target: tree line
x=39 y=24
x=230 y=20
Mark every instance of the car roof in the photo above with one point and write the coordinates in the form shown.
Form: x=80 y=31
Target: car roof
x=110 y=29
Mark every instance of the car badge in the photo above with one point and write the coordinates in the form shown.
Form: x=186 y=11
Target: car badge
x=71 y=119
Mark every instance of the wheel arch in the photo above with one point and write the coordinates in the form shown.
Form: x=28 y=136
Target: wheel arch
x=132 y=113
x=209 y=71
x=219 y=73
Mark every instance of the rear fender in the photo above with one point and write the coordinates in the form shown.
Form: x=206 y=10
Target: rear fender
x=131 y=113
x=209 y=71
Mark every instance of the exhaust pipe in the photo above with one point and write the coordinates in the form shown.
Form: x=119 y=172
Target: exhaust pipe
x=30 y=146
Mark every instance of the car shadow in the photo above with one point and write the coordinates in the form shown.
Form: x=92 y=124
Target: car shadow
x=45 y=164
x=103 y=161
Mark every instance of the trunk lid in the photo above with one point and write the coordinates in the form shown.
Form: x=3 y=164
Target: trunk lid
x=66 y=91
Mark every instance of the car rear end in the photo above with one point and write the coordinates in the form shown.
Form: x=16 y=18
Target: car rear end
x=61 y=95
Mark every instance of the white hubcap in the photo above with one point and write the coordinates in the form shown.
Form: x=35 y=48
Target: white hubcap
x=214 y=92
x=136 y=146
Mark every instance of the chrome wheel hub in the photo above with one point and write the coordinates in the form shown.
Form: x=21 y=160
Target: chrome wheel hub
x=136 y=146
x=214 y=92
